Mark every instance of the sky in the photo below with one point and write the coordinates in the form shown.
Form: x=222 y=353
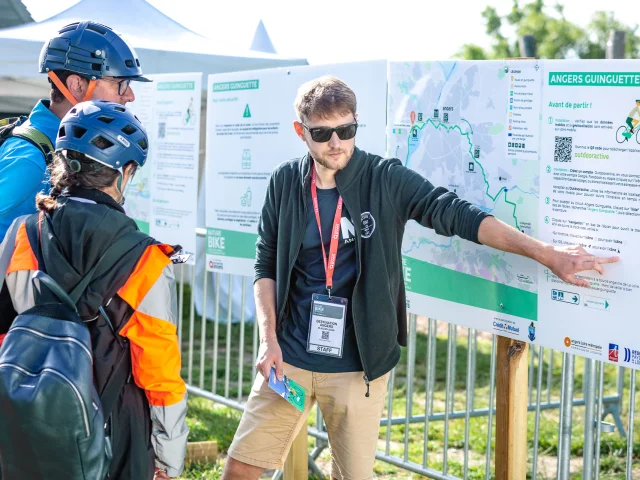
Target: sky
x=336 y=31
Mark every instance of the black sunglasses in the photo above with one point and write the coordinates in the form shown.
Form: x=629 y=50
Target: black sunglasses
x=323 y=134
x=123 y=85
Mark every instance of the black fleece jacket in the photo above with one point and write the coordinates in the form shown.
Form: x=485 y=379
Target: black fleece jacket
x=382 y=196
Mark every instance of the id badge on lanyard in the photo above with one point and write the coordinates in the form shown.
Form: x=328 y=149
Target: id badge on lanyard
x=328 y=313
x=326 y=328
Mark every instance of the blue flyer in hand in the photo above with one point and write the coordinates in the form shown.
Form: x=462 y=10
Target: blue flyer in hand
x=287 y=389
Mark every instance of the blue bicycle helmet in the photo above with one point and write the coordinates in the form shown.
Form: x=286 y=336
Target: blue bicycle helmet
x=92 y=50
x=105 y=132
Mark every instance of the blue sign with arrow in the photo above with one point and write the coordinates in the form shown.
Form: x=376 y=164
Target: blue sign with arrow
x=566 y=297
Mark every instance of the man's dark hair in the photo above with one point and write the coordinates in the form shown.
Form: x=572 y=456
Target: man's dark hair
x=324 y=97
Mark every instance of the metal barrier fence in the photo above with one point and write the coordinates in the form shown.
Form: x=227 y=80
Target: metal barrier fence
x=439 y=418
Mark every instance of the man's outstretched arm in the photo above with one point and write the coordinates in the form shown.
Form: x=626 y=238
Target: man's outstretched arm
x=565 y=262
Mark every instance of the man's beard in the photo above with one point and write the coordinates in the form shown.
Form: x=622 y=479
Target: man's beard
x=330 y=164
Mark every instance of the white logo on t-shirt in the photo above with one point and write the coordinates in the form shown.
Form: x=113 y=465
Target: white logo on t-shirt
x=348 y=230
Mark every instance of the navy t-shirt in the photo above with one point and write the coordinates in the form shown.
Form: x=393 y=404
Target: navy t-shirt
x=308 y=277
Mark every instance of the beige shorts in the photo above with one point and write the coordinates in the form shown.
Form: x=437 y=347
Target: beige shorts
x=269 y=424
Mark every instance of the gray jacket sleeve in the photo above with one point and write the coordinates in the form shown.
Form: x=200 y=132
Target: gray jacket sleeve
x=266 y=245
x=169 y=431
x=155 y=355
x=415 y=198
x=169 y=436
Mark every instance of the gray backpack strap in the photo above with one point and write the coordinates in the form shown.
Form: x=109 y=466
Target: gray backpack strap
x=8 y=245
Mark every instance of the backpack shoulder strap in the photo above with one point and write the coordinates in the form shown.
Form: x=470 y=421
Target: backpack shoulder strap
x=113 y=254
x=7 y=124
x=116 y=382
x=109 y=258
x=36 y=138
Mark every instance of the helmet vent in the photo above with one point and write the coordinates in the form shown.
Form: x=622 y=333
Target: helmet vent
x=143 y=144
x=129 y=63
x=105 y=119
x=129 y=129
x=69 y=28
x=78 y=132
x=62 y=132
x=95 y=28
x=102 y=143
x=137 y=62
x=119 y=109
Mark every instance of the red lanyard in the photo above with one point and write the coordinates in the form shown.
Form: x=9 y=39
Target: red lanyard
x=330 y=265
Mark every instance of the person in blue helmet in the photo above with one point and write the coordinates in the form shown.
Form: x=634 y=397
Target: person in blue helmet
x=85 y=60
x=132 y=309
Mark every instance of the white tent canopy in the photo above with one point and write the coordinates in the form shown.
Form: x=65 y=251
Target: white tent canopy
x=261 y=41
x=163 y=46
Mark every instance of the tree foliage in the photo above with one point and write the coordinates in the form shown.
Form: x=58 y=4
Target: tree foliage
x=555 y=35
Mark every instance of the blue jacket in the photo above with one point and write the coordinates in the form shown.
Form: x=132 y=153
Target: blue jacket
x=23 y=172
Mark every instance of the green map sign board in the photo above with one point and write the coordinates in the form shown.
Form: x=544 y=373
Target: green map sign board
x=548 y=148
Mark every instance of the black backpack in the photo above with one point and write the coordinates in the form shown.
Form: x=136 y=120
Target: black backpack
x=54 y=422
x=14 y=127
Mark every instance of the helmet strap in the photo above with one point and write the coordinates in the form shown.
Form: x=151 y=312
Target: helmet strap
x=90 y=89
x=62 y=87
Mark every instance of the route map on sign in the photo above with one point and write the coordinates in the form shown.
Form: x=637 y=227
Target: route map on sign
x=473 y=128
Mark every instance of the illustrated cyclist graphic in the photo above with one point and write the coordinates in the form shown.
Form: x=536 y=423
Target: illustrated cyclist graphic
x=190 y=116
x=631 y=121
x=625 y=132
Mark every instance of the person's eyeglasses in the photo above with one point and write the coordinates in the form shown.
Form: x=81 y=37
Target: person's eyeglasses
x=324 y=134
x=123 y=85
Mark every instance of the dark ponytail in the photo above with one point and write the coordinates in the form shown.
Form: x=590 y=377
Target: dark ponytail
x=90 y=175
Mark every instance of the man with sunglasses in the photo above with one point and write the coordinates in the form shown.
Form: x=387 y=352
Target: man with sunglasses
x=84 y=61
x=329 y=290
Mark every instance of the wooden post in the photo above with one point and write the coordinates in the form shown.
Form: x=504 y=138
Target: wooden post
x=527 y=45
x=512 y=386
x=615 y=44
x=296 y=467
x=206 y=452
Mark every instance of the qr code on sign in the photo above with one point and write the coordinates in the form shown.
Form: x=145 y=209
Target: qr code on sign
x=563 y=149
x=325 y=335
x=162 y=129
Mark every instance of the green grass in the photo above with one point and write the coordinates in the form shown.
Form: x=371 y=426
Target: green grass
x=200 y=471
x=208 y=421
